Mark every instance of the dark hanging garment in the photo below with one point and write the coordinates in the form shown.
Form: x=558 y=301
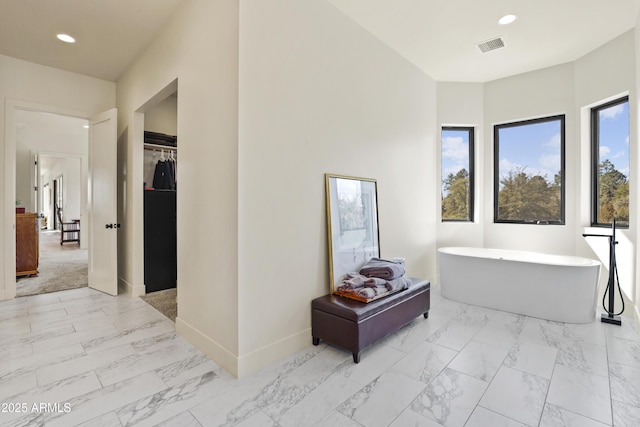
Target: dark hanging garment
x=162 y=177
x=158 y=175
x=171 y=166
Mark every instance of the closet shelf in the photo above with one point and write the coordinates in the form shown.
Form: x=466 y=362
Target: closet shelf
x=150 y=146
x=160 y=138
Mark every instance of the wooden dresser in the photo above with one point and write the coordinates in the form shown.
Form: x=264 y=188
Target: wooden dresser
x=27 y=252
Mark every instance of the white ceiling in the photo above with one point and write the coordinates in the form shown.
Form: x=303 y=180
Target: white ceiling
x=438 y=36
x=109 y=33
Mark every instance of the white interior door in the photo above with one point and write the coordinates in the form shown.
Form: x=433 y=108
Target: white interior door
x=102 y=203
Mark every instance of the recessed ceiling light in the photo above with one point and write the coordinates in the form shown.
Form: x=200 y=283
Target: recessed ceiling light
x=66 y=38
x=507 y=19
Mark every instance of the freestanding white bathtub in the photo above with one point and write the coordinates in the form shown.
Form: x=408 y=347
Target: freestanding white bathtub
x=552 y=287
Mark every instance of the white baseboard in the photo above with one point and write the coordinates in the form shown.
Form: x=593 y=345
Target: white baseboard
x=126 y=288
x=223 y=357
x=249 y=363
x=273 y=352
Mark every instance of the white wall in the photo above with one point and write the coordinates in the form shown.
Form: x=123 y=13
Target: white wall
x=199 y=47
x=541 y=93
x=319 y=94
x=26 y=84
x=71 y=183
x=163 y=118
x=462 y=104
x=604 y=74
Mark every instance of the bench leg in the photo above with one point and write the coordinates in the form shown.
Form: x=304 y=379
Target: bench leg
x=316 y=341
x=356 y=357
x=426 y=315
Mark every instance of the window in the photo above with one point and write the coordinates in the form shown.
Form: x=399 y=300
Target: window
x=610 y=163
x=529 y=171
x=457 y=174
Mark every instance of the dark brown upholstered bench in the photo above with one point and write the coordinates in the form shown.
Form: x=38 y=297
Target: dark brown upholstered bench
x=355 y=325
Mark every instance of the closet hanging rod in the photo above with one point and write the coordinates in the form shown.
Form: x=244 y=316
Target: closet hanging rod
x=157 y=147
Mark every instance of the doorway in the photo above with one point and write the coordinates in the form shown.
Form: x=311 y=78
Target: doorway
x=159 y=200
x=50 y=161
x=98 y=200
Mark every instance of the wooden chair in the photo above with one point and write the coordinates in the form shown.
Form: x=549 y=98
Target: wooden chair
x=69 y=231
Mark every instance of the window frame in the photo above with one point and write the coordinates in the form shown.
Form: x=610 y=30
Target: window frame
x=471 y=134
x=595 y=160
x=496 y=168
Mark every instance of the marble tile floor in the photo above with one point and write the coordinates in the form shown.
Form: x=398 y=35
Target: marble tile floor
x=79 y=357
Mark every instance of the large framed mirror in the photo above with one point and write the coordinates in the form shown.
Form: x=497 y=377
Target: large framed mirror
x=352 y=223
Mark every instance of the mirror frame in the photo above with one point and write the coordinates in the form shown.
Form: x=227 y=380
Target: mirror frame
x=353 y=234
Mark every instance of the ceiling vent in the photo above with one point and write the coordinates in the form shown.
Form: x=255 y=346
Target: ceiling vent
x=492 y=44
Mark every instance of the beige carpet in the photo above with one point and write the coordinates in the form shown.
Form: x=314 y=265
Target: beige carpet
x=163 y=301
x=57 y=271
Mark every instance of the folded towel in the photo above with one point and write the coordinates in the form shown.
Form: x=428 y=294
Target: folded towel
x=402 y=282
x=383 y=269
x=371 y=292
x=352 y=281
x=373 y=282
x=371 y=287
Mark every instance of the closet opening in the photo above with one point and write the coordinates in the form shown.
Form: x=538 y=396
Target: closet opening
x=160 y=186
